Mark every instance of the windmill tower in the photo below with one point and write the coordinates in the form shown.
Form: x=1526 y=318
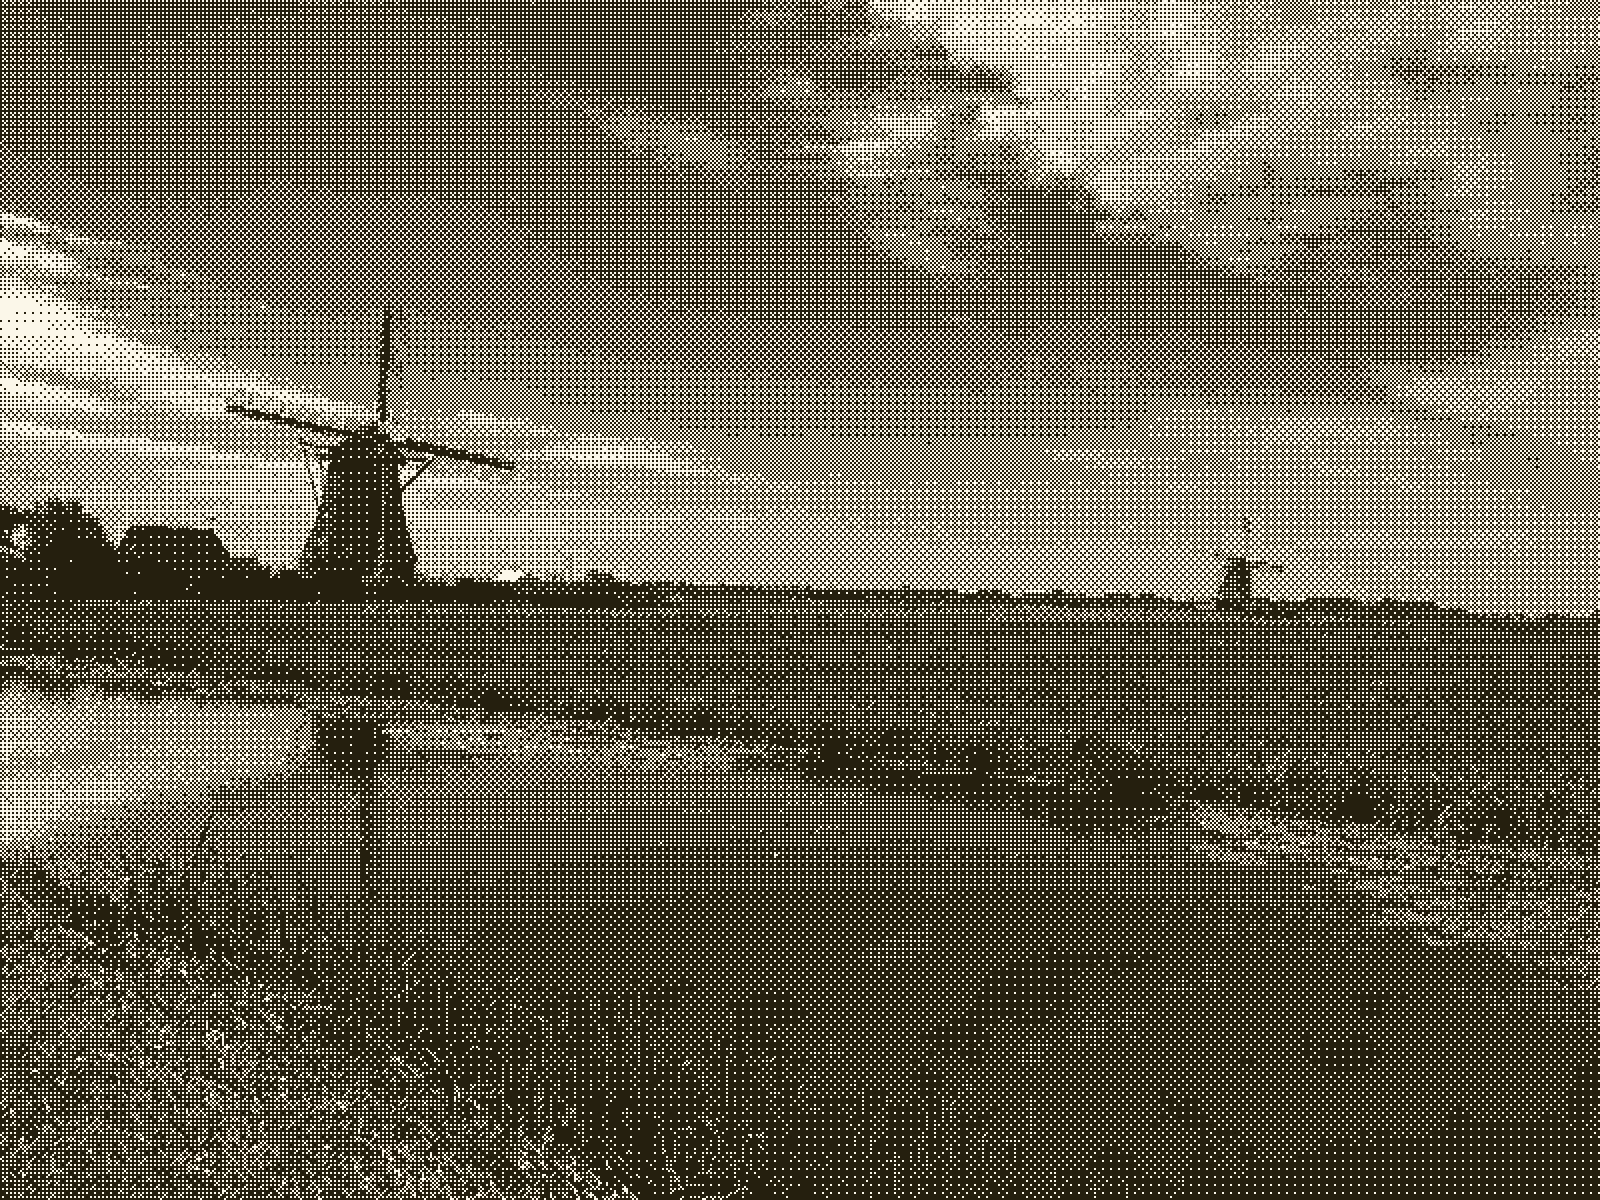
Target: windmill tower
x=1237 y=591
x=360 y=540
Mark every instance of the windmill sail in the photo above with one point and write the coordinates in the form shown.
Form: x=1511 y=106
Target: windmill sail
x=383 y=367
x=434 y=450
x=262 y=414
x=360 y=539
x=1237 y=590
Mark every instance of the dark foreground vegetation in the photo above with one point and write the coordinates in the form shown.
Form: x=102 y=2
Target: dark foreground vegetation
x=263 y=1057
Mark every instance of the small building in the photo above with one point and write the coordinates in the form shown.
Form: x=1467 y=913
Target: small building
x=168 y=561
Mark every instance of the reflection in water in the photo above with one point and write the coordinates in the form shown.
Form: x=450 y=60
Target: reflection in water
x=353 y=744
x=620 y=851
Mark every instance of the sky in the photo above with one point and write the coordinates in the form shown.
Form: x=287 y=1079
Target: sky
x=879 y=292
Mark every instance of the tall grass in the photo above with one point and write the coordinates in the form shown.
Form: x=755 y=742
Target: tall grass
x=582 y=1075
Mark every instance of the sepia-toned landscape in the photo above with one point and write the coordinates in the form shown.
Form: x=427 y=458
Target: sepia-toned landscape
x=799 y=600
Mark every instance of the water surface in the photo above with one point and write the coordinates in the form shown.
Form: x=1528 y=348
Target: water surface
x=572 y=854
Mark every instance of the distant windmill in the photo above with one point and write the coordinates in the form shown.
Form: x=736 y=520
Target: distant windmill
x=1237 y=591
x=361 y=538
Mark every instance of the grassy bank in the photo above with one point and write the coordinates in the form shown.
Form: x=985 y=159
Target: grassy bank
x=135 y=1065
x=198 y=1038
x=1476 y=729
x=205 y=1039
x=281 y=1062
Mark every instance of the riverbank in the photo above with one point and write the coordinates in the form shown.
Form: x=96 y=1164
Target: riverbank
x=734 y=1109
x=189 y=1040
x=1482 y=731
x=666 y=1104
x=137 y=1071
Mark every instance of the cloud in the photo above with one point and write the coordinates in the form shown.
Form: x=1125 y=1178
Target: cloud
x=1549 y=388
x=1233 y=125
x=106 y=265
x=497 y=421
x=44 y=334
x=628 y=454
x=33 y=395
x=1167 y=114
x=12 y=221
x=31 y=431
x=15 y=255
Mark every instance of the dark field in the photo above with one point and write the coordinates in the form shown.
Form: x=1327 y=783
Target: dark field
x=1481 y=729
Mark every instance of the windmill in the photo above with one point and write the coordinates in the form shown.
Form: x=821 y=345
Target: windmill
x=360 y=538
x=1237 y=591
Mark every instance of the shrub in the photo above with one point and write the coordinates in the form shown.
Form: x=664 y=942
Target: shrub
x=351 y=743
x=1098 y=765
x=983 y=752
x=492 y=697
x=830 y=747
x=1358 y=797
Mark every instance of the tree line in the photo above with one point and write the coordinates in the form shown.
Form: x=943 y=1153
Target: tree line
x=55 y=548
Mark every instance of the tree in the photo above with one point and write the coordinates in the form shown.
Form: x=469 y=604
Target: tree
x=69 y=554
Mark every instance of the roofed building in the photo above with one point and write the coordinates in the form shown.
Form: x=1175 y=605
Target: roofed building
x=168 y=561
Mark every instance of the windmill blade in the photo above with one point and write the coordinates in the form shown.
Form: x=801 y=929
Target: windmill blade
x=437 y=451
x=383 y=367
x=261 y=414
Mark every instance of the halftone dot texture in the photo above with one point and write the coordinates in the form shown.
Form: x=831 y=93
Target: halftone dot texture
x=1074 y=302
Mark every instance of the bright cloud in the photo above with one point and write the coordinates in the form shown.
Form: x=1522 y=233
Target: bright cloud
x=34 y=258
x=36 y=396
x=625 y=453
x=142 y=447
x=483 y=420
x=43 y=333
x=1550 y=389
x=1171 y=111
x=12 y=221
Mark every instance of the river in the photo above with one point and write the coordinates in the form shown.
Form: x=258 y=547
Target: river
x=524 y=848
x=489 y=830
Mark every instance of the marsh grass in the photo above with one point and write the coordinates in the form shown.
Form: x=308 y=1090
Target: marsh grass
x=573 y=1080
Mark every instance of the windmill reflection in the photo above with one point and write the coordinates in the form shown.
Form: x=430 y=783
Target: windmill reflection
x=353 y=744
